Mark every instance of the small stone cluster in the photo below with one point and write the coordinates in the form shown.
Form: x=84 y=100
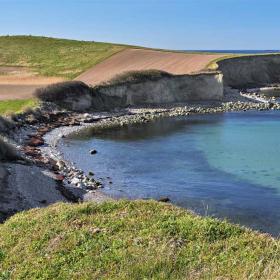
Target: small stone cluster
x=63 y=173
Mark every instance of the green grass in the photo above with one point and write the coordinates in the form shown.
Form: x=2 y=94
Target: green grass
x=131 y=240
x=54 y=57
x=8 y=107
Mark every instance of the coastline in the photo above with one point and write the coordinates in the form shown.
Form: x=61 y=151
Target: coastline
x=75 y=178
x=39 y=132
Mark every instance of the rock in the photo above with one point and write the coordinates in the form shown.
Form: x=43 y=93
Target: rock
x=75 y=181
x=31 y=151
x=59 y=178
x=90 y=120
x=91 y=173
x=81 y=186
x=164 y=199
x=43 y=130
x=60 y=164
x=270 y=105
x=36 y=141
x=93 y=152
x=91 y=187
x=31 y=119
x=44 y=201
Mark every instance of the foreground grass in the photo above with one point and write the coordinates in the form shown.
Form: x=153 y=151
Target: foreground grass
x=53 y=57
x=8 y=107
x=131 y=240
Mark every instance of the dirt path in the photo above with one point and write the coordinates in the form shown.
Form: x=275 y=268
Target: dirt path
x=139 y=59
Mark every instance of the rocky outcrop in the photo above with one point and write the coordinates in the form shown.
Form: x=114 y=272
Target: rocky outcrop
x=250 y=71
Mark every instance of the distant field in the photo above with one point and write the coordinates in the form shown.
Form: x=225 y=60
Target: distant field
x=28 y=62
x=145 y=59
x=53 y=57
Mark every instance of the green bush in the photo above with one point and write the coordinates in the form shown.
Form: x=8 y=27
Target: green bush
x=61 y=91
x=137 y=77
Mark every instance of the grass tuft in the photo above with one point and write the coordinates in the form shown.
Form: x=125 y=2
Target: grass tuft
x=60 y=91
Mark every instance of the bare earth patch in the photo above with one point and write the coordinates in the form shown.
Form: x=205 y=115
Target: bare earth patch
x=21 y=86
x=139 y=59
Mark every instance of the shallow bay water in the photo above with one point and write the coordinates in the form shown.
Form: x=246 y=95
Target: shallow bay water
x=221 y=165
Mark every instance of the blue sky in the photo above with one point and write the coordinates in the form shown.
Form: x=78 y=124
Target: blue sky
x=173 y=24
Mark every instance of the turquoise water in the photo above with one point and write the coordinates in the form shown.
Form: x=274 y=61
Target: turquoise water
x=223 y=165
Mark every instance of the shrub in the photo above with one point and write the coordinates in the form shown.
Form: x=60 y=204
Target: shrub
x=137 y=77
x=61 y=91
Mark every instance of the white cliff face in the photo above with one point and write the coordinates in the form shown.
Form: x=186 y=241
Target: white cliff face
x=206 y=86
x=250 y=71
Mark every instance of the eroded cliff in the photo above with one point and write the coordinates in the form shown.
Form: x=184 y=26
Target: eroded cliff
x=250 y=71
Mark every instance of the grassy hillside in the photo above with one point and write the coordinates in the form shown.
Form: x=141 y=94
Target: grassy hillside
x=8 y=107
x=131 y=240
x=53 y=57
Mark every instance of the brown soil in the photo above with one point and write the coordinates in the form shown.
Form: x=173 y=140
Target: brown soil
x=22 y=86
x=139 y=59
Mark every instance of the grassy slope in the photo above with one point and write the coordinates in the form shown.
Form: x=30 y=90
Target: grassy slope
x=131 y=240
x=49 y=57
x=57 y=57
x=53 y=57
x=8 y=107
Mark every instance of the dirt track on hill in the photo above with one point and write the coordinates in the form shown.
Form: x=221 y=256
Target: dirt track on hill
x=140 y=59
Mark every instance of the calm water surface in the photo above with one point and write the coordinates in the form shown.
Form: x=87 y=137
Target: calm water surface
x=223 y=165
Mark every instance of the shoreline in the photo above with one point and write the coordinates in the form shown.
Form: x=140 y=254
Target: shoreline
x=40 y=130
x=130 y=116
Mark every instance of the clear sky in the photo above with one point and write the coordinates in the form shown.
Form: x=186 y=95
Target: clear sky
x=173 y=24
